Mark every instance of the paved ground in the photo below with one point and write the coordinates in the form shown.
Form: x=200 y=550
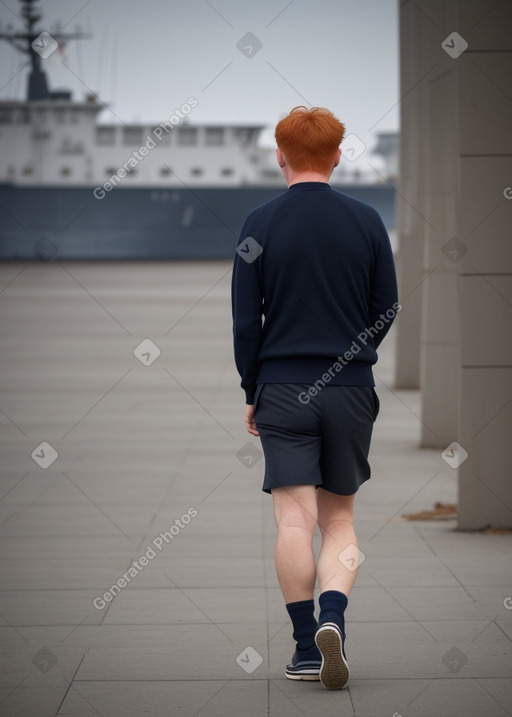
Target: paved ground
x=142 y=444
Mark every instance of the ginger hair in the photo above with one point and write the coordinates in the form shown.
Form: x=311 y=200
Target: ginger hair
x=309 y=138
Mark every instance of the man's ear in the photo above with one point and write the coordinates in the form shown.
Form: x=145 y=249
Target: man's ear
x=280 y=158
x=337 y=157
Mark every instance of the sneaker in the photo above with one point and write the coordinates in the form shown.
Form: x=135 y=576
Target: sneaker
x=330 y=640
x=301 y=669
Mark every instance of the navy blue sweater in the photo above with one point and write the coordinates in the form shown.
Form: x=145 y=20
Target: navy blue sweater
x=313 y=291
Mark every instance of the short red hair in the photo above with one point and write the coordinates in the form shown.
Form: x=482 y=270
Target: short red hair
x=309 y=138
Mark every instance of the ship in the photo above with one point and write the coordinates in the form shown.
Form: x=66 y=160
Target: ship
x=75 y=188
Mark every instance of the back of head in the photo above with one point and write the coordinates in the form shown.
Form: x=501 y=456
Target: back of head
x=309 y=138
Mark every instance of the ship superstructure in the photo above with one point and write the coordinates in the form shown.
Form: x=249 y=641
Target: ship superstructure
x=86 y=189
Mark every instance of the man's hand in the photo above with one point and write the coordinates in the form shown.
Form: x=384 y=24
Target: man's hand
x=249 y=421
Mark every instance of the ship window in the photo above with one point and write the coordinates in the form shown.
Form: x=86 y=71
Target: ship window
x=214 y=136
x=227 y=172
x=23 y=117
x=105 y=135
x=244 y=135
x=161 y=137
x=39 y=116
x=132 y=135
x=113 y=172
x=65 y=171
x=187 y=136
x=26 y=171
x=165 y=171
x=196 y=171
x=6 y=117
x=69 y=147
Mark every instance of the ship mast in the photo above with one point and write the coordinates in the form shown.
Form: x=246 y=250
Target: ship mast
x=37 y=88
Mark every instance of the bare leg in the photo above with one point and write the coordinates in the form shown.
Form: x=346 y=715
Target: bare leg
x=295 y=512
x=336 y=523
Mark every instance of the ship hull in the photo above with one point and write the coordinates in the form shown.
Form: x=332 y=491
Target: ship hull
x=68 y=223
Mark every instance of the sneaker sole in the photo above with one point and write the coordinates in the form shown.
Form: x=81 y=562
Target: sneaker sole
x=309 y=671
x=334 y=672
x=302 y=676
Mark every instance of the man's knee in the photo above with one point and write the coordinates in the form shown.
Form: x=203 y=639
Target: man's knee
x=295 y=532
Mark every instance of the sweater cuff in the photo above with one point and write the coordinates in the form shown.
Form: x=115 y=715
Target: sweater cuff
x=250 y=394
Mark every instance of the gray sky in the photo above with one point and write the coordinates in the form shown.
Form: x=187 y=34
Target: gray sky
x=146 y=58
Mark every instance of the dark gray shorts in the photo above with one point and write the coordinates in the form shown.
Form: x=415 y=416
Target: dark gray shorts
x=321 y=439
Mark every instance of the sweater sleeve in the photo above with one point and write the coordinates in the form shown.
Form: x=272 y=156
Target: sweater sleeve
x=383 y=288
x=247 y=308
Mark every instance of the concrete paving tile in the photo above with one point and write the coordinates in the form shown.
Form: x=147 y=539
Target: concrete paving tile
x=23 y=701
x=456 y=698
x=205 y=655
x=392 y=541
x=157 y=698
x=422 y=698
x=241 y=486
x=222 y=488
x=381 y=650
x=150 y=607
x=73 y=520
x=191 y=605
x=481 y=569
x=220 y=572
x=105 y=486
x=385 y=650
x=492 y=598
x=408 y=571
x=189 y=573
x=56 y=547
x=235 y=636
x=373 y=604
x=504 y=622
x=39 y=665
x=500 y=689
x=9 y=637
x=289 y=698
x=232 y=604
x=446 y=603
x=48 y=607
x=484 y=632
x=213 y=521
x=465 y=546
x=65 y=574
x=390 y=697
x=248 y=697
x=197 y=547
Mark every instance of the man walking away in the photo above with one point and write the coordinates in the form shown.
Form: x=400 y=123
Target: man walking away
x=314 y=293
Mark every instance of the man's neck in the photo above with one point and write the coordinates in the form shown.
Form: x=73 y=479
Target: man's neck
x=295 y=178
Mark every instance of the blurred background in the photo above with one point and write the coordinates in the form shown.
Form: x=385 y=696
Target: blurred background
x=212 y=79
x=143 y=59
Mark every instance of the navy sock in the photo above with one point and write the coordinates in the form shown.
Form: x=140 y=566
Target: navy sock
x=304 y=623
x=332 y=608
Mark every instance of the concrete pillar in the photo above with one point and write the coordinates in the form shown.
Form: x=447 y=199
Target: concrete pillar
x=465 y=159
x=485 y=278
x=410 y=200
x=428 y=332
x=440 y=310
